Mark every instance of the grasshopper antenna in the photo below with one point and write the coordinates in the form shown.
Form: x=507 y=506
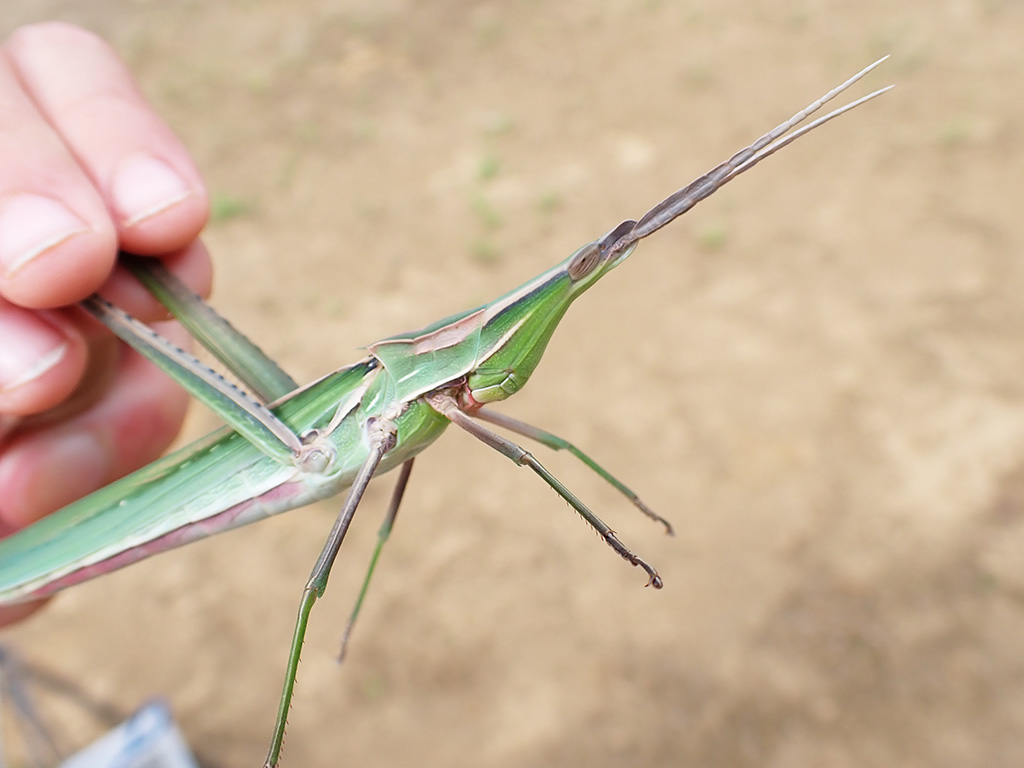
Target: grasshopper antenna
x=678 y=203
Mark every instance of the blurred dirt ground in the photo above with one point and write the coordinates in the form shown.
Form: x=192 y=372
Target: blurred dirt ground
x=817 y=375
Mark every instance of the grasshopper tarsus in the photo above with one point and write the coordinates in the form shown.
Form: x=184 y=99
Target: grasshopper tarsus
x=655 y=578
x=669 y=530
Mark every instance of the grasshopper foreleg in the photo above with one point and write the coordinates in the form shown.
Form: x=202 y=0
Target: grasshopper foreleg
x=560 y=444
x=445 y=404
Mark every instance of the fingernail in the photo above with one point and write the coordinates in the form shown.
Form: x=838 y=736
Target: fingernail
x=145 y=186
x=29 y=348
x=29 y=226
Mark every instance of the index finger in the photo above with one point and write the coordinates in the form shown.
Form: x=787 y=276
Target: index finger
x=154 y=197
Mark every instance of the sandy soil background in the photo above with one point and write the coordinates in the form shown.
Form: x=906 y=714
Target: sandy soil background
x=816 y=375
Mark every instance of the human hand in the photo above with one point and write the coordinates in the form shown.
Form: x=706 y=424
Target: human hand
x=88 y=168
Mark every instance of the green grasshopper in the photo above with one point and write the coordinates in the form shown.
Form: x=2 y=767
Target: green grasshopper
x=286 y=446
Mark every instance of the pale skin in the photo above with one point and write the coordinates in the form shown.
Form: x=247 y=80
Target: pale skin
x=89 y=168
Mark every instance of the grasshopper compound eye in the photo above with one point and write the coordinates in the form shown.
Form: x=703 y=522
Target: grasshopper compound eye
x=583 y=263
